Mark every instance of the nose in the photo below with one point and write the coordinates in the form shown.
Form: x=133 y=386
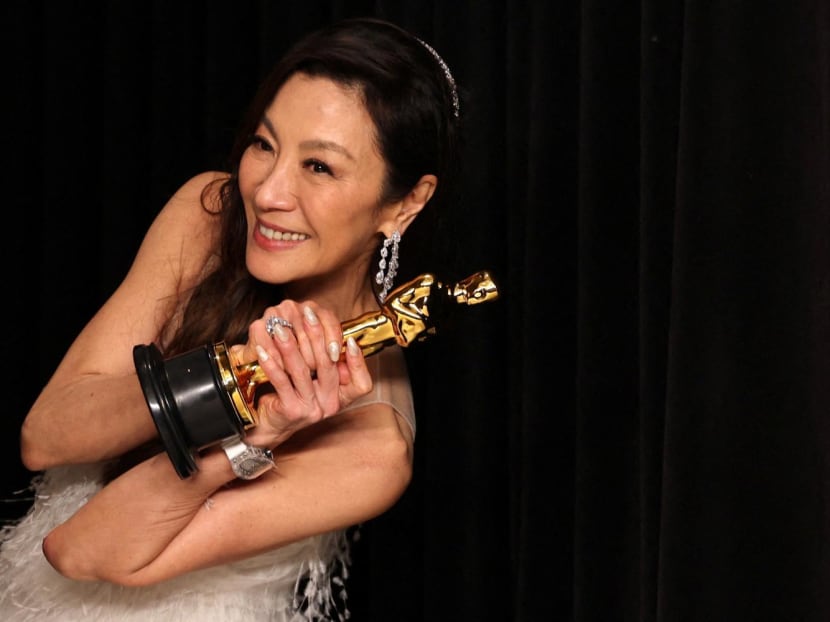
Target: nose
x=276 y=189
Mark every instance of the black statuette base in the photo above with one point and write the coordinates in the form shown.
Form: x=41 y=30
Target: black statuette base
x=190 y=407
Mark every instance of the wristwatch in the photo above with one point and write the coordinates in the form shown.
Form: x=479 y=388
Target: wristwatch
x=247 y=462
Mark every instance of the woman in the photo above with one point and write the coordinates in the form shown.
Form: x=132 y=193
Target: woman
x=344 y=146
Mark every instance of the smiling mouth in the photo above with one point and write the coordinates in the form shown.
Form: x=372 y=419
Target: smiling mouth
x=284 y=236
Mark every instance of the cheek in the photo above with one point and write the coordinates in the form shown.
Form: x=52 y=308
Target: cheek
x=247 y=186
x=246 y=177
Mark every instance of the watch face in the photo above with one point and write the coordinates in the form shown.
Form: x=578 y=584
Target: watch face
x=253 y=465
x=248 y=462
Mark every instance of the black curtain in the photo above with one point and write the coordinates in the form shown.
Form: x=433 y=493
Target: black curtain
x=638 y=428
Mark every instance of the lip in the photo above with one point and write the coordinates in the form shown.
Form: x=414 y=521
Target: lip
x=272 y=236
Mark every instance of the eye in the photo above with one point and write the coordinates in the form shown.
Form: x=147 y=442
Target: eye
x=259 y=143
x=316 y=166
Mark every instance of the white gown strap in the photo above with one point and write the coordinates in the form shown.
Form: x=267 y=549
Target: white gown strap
x=391 y=384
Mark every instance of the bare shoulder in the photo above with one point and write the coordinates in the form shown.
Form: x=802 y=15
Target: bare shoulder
x=196 y=201
x=183 y=234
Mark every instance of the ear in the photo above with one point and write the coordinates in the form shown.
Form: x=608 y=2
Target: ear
x=402 y=213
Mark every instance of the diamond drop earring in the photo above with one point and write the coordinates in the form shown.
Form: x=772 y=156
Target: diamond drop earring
x=391 y=267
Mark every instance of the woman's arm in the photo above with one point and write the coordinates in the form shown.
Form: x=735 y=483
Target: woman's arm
x=148 y=525
x=93 y=407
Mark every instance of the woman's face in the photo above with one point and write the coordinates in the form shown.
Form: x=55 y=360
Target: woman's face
x=311 y=181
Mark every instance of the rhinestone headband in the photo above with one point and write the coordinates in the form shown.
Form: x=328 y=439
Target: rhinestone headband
x=446 y=70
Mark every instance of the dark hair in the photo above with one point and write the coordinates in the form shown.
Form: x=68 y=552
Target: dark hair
x=409 y=97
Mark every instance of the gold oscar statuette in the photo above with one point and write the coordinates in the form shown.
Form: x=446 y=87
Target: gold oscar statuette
x=199 y=398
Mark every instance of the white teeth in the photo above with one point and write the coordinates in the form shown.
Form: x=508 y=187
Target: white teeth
x=280 y=236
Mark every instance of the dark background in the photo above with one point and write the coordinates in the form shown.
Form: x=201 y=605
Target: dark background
x=638 y=429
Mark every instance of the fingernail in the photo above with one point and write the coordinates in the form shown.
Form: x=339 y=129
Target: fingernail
x=334 y=351
x=261 y=353
x=310 y=316
x=351 y=346
x=281 y=332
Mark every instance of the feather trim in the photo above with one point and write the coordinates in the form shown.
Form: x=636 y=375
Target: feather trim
x=300 y=582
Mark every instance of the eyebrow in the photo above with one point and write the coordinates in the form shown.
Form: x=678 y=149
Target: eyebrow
x=312 y=144
x=326 y=144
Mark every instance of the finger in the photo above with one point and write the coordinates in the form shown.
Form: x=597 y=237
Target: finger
x=324 y=337
x=294 y=401
x=309 y=336
x=274 y=369
x=333 y=335
x=295 y=363
x=277 y=324
x=355 y=378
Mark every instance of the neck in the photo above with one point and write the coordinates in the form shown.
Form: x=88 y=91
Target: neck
x=347 y=302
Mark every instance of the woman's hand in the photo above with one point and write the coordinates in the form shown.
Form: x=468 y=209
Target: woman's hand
x=303 y=363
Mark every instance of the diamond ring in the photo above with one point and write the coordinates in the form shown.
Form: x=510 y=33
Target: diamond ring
x=271 y=324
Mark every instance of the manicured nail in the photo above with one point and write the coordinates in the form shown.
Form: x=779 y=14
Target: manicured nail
x=281 y=332
x=310 y=316
x=351 y=346
x=334 y=351
x=261 y=353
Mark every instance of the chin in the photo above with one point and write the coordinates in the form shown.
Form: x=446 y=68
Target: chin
x=263 y=270
x=269 y=276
